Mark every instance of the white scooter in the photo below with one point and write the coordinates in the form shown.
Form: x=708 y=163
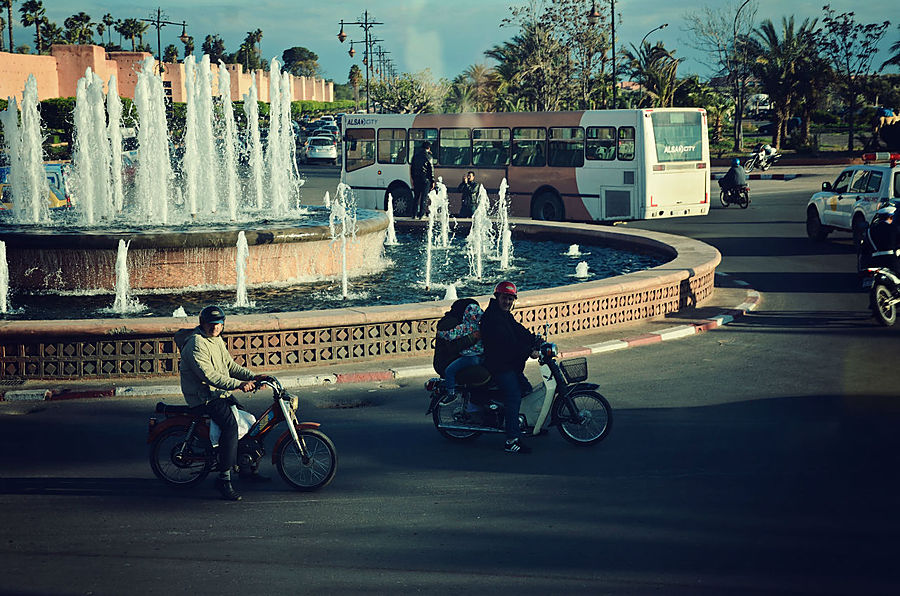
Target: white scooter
x=564 y=400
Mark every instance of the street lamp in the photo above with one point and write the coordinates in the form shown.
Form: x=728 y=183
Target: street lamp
x=641 y=47
x=352 y=52
x=365 y=24
x=159 y=22
x=593 y=18
x=738 y=116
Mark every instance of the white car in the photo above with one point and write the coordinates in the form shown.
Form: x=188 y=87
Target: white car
x=320 y=148
x=850 y=202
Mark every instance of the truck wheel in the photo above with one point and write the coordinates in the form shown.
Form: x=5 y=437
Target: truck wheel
x=814 y=228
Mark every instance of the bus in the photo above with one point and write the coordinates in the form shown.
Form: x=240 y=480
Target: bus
x=590 y=166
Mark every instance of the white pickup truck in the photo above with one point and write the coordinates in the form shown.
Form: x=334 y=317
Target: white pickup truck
x=850 y=202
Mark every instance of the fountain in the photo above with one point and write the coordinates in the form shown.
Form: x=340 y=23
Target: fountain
x=243 y=252
x=4 y=279
x=504 y=234
x=480 y=235
x=581 y=270
x=391 y=238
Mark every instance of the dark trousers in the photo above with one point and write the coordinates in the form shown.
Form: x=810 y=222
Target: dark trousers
x=512 y=384
x=420 y=197
x=219 y=410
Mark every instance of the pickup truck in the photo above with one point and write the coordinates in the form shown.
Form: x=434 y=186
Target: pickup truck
x=849 y=203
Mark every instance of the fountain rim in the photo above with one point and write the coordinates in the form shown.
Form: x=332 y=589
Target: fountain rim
x=691 y=258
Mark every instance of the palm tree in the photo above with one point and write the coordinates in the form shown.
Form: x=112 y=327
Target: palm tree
x=893 y=60
x=355 y=80
x=777 y=62
x=7 y=4
x=130 y=28
x=483 y=82
x=108 y=22
x=188 y=46
x=79 y=28
x=657 y=70
x=32 y=12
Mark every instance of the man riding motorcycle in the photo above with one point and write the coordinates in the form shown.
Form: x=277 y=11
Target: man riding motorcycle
x=879 y=247
x=735 y=178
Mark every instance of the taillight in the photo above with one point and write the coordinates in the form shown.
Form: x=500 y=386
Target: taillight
x=701 y=165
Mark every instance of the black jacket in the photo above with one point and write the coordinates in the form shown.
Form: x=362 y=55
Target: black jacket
x=446 y=351
x=420 y=169
x=507 y=343
x=736 y=176
x=468 y=190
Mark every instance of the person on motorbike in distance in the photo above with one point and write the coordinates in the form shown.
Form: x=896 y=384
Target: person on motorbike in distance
x=735 y=178
x=464 y=329
x=507 y=346
x=882 y=237
x=208 y=374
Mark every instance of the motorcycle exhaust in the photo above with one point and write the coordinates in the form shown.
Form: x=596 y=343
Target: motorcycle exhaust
x=483 y=429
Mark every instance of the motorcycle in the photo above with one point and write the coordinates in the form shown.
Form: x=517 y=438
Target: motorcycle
x=760 y=159
x=735 y=196
x=564 y=400
x=884 y=293
x=181 y=453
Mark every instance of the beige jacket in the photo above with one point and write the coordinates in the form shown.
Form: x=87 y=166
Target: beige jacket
x=207 y=369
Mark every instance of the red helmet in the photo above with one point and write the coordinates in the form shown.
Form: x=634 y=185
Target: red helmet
x=506 y=287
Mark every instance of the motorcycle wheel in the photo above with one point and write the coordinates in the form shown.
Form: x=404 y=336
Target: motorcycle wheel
x=452 y=413
x=751 y=163
x=723 y=198
x=885 y=312
x=174 y=469
x=312 y=472
x=591 y=422
x=765 y=165
x=744 y=199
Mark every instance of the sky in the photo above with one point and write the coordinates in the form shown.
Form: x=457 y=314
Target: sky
x=445 y=36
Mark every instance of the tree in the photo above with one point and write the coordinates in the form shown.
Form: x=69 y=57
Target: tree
x=656 y=68
x=52 y=34
x=892 y=61
x=8 y=5
x=188 y=46
x=215 y=48
x=129 y=28
x=170 y=54
x=108 y=22
x=850 y=47
x=355 y=79
x=722 y=34
x=300 y=62
x=33 y=12
x=79 y=29
x=408 y=94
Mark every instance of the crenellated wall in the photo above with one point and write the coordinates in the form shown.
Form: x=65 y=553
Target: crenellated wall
x=57 y=74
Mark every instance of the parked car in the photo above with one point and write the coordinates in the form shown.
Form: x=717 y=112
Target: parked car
x=849 y=203
x=319 y=148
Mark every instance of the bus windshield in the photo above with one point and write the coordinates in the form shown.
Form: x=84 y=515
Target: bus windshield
x=678 y=136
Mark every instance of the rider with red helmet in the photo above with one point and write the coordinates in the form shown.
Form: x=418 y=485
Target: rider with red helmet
x=507 y=346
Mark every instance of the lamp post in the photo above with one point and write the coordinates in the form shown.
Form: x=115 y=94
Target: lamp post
x=159 y=22
x=739 y=108
x=641 y=47
x=593 y=18
x=366 y=25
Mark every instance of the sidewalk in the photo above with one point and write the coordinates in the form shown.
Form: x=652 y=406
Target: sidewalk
x=731 y=299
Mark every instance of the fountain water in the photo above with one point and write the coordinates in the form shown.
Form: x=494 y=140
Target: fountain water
x=504 y=234
x=243 y=254
x=441 y=205
x=573 y=251
x=255 y=157
x=281 y=158
x=4 y=279
x=123 y=302
x=343 y=212
x=450 y=294
x=154 y=177
x=480 y=235
x=391 y=238
x=92 y=180
x=429 y=235
x=114 y=134
x=230 y=144
x=581 y=270
x=27 y=180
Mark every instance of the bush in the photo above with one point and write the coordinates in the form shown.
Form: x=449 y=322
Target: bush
x=794 y=141
x=823 y=117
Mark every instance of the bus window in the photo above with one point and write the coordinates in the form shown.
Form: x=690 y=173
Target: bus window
x=456 y=148
x=678 y=136
x=528 y=146
x=360 y=148
x=601 y=143
x=490 y=147
x=391 y=145
x=626 y=143
x=566 y=147
x=417 y=136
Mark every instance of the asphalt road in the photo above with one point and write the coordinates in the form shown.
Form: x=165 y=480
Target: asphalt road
x=758 y=458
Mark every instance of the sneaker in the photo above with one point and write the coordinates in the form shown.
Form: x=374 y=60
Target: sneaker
x=226 y=490
x=516 y=446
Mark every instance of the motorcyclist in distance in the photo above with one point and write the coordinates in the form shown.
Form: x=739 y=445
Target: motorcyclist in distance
x=881 y=239
x=734 y=178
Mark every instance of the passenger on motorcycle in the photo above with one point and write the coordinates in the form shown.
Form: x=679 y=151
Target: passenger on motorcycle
x=208 y=375
x=734 y=178
x=468 y=351
x=880 y=243
x=507 y=346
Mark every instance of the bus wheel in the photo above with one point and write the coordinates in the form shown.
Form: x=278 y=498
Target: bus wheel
x=402 y=199
x=547 y=206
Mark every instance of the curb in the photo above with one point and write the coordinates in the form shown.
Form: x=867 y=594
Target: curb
x=751 y=301
x=760 y=176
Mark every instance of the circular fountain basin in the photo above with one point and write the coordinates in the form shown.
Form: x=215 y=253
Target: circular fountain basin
x=196 y=256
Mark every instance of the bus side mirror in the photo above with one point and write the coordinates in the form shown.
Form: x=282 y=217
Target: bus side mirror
x=826 y=186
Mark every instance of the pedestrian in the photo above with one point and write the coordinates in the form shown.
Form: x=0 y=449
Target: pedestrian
x=469 y=190
x=421 y=171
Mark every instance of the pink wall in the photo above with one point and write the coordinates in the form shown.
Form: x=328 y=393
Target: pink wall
x=57 y=75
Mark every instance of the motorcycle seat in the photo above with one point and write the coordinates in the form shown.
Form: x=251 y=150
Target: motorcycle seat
x=473 y=376
x=164 y=408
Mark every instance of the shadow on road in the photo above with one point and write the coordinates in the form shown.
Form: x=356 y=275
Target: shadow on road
x=775 y=246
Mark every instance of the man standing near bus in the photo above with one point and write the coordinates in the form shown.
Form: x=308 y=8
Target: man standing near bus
x=468 y=188
x=422 y=173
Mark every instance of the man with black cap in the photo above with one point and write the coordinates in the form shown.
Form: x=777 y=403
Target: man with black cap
x=208 y=376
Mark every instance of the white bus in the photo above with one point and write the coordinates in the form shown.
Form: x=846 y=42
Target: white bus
x=595 y=165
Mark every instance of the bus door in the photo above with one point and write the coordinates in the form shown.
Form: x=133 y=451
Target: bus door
x=609 y=182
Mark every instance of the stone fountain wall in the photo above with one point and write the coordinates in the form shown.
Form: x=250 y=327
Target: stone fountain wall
x=103 y=349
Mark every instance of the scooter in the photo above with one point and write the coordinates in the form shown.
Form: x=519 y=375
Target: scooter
x=564 y=400
x=735 y=196
x=884 y=293
x=181 y=453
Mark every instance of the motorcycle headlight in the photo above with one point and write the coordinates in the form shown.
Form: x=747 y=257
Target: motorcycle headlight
x=550 y=350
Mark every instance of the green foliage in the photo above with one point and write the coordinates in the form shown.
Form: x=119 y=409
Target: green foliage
x=298 y=108
x=301 y=62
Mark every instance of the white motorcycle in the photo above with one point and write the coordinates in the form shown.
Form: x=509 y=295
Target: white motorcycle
x=564 y=400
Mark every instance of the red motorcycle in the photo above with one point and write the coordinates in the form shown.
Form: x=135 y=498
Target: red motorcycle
x=181 y=453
